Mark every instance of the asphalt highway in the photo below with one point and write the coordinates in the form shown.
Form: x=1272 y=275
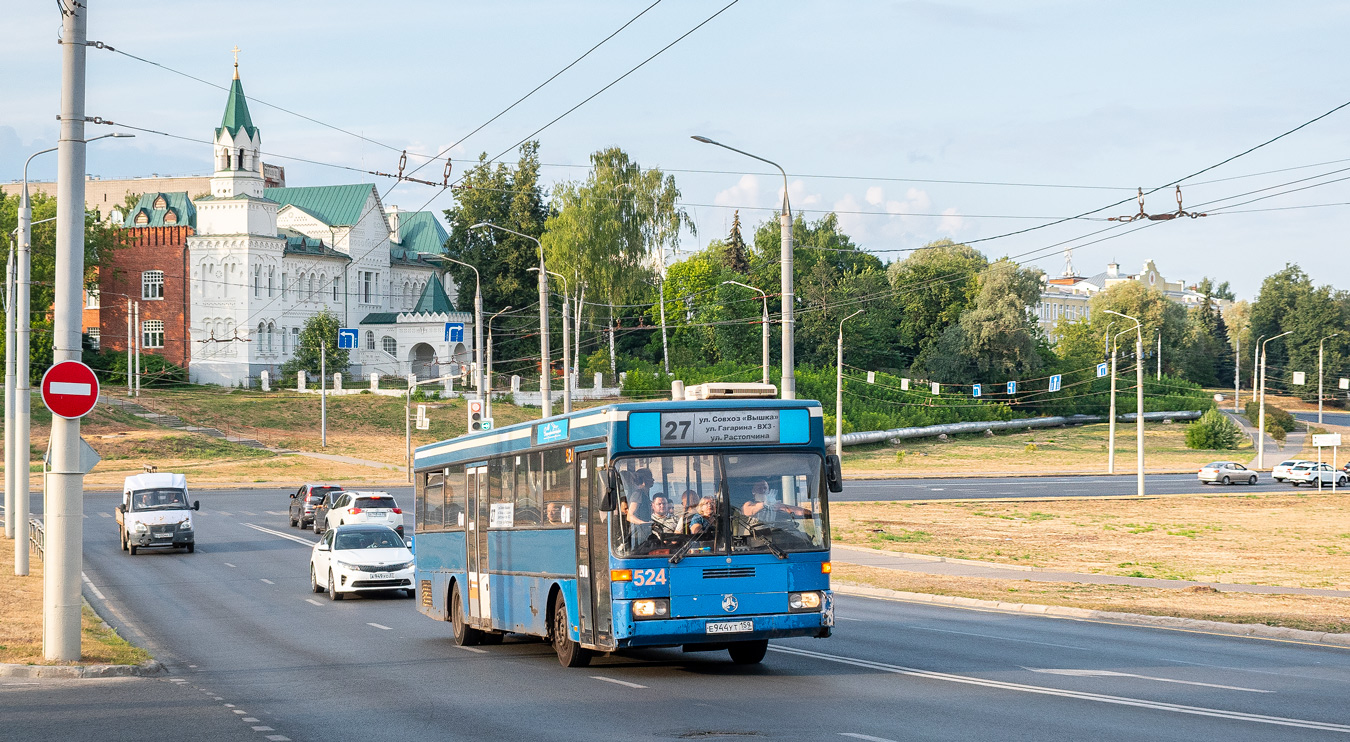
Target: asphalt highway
x=252 y=653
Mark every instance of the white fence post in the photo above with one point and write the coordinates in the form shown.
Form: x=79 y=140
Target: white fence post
x=337 y=382
x=374 y=382
x=299 y=381
x=266 y=382
x=515 y=385
x=599 y=380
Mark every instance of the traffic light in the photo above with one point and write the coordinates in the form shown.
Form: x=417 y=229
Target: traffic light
x=475 y=415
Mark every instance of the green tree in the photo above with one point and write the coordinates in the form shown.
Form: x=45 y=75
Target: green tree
x=319 y=331
x=1218 y=290
x=1214 y=431
x=508 y=197
x=734 y=255
x=934 y=286
x=1000 y=328
x=1288 y=302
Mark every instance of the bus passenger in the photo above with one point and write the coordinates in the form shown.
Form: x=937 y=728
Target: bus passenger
x=704 y=521
x=662 y=516
x=688 y=509
x=765 y=507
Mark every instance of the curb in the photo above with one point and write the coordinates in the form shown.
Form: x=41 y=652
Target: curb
x=1258 y=631
x=147 y=669
x=949 y=560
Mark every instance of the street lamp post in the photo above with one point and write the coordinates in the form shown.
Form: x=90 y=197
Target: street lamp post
x=567 y=354
x=764 y=332
x=1261 y=415
x=545 y=393
x=789 y=378
x=1320 y=348
x=1256 y=369
x=1139 y=397
x=1111 y=442
x=839 y=389
x=480 y=378
x=487 y=400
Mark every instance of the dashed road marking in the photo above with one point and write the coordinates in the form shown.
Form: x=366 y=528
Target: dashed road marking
x=846 y=618
x=262 y=729
x=282 y=534
x=227 y=564
x=1080 y=695
x=312 y=601
x=276 y=512
x=237 y=711
x=264 y=579
x=249 y=719
x=475 y=650
x=278 y=738
x=867 y=737
x=1113 y=674
x=104 y=515
x=222 y=512
x=381 y=626
x=617 y=682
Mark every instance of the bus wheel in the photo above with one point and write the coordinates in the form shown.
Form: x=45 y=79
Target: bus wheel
x=748 y=653
x=570 y=654
x=465 y=635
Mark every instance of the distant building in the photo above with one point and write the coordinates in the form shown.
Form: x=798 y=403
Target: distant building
x=1068 y=297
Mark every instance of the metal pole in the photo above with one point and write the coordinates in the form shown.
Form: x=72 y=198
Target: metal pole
x=323 y=394
x=1237 y=375
x=1256 y=362
x=9 y=393
x=130 y=349
x=545 y=367
x=764 y=341
x=1159 y=376
x=480 y=379
x=140 y=338
x=1320 y=347
x=567 y=356
x=487 y=401
x=839 y=389
x=64 y=521
x=1111 y=442
x=1139 y=403
x=407 y=428
x=665 y=346
x=1261 y=437
x=23 y=398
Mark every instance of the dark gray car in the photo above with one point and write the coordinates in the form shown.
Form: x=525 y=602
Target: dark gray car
x=304 y=500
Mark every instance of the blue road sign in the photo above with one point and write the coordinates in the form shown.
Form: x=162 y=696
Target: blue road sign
x=976 y=390
x=454 y=332
x=1012 y=388
x=348 y=338
x=1054 y=383
x=1101 y=370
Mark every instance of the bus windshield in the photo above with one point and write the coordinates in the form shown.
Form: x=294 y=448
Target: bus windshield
x=699 y=504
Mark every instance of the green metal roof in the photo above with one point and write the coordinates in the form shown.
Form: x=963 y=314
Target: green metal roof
x=299 y=244
x=433 y=300
x=419 y=232
x=380 y=318
x=176 y=203
x=336 y=206
x=236 y=112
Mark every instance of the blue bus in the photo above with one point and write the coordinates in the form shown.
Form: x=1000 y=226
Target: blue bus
x=695 y=524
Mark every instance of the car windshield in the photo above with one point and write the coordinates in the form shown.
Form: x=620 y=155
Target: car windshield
x=673 y=506
x=374 y=502
x=1216 y=465
x=316 y=493
x=383 y=538
x=159 y=499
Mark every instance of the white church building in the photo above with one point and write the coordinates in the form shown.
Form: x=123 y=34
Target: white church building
x=265 y=260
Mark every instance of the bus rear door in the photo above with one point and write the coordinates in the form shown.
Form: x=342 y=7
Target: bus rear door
x=480 y=610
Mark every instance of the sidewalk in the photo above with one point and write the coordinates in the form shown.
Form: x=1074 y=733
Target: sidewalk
x=968 y=568
x=1275 y=451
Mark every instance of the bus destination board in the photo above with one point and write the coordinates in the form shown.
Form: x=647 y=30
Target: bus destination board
x=719 y=427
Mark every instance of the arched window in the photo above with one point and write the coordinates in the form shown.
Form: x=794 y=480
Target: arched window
x=390 y=345
x=257 y=271
x=142 y=217
x=160 y=203
x=262 y=335
x=337 y=289
x=323 y=283
x=170 y=217
x=310 y=294
x=370 y=340
x=285 y=346
x=285 y=293
x=270 y=334
x=271 y=281
x=407 y=292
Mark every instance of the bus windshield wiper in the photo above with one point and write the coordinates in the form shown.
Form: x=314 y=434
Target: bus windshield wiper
x=681 y=552
x=769 y=542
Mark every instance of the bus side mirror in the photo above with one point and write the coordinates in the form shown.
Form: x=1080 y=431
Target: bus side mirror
x=610 y=484
x=834 y=475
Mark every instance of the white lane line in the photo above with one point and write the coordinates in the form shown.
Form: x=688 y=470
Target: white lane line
x=227 y=564
x=1113 y=674
x=617 y=682
x=249 y=719
x=245 y=512
x=262 y=729
x=92 y=588
x=312 y=601
x=177 y=680
x=475 y=650
x=846 y=618
x=867 y=737
x=1000 y=638
x=276 y=512
x=267 y=581
x=237 y=711
x=104 y=515
x=381 y=626
x=278 y=738
x=222 y=512
x=282 y=534
x=1084 y=696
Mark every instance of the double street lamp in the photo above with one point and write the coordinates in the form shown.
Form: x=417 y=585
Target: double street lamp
x=567 y=355
x=1320 y=348
x=764 y=332
x=545 y=393
x=1139 y=396
x=487 y=401
x=839 y=390
x=480 y=374
x=1261 y=426
x=789 y=379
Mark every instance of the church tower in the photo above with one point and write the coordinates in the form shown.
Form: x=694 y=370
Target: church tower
x=237 y=147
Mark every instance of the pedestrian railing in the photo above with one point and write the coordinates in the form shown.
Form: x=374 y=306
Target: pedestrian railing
x=37 y=537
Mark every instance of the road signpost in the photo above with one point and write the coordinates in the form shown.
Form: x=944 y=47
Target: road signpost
x=975 y=391
x=70 y=389
x=349 y=338
x=454 y=332
x=1102 y=369
x=1055 y=382
x=1012 y=388
x=1322 y=440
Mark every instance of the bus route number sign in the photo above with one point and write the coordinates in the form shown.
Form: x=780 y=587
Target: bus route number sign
x=719 y=427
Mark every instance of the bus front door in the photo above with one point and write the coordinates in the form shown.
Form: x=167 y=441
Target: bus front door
x=479 y=600
x=593 y=593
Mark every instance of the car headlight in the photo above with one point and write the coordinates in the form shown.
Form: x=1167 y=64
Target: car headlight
x=141 y=528
x=185 y=525
x=345 y=565
x=397 y=567
x=651 y=608
x=809 y=601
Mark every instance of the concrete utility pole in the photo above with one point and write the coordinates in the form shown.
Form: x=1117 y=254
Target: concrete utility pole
x=487 y=401
x=839 y=389
x=1261 y=426
x=323 y=395
x=1111 y=443
x=567 y=354
x=9 y=392
x=1237 y=373
x=64 y=521
x=764 y=332
x=1256 y=368
x=665 y=346
x=1159 y=376
x=789 y=378
x=1139 y=396
x=1320 y=348
x=545 y=383
x=131 y=350
x=140 y=338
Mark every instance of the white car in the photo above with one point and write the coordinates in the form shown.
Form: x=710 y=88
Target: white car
x=365 y=507
x=360 y=558
x=1281 y=470
x=1309 y=472
x=1226 y=472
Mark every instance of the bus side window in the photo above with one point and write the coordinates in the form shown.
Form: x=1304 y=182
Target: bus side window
x=529 y=490
x=452 y=504
x=558 y=487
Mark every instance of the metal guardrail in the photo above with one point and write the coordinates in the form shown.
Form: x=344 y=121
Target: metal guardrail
x=37 y=538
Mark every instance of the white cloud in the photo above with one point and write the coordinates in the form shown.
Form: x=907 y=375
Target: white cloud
x=744 y=193
x=875 y=195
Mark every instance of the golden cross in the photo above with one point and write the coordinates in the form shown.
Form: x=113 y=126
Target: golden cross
x=236 y=61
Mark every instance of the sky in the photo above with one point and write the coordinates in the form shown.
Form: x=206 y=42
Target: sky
x=1043 y=110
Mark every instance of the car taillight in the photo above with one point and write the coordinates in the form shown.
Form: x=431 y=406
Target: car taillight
x=355 y=511
x=398 y=511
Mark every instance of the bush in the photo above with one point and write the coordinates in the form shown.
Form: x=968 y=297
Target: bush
x=1214 y=431
x=1275 y=417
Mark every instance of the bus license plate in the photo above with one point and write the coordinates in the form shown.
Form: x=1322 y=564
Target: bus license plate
x=730 y=627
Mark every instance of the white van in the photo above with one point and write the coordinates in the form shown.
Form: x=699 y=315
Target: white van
x=155 y=512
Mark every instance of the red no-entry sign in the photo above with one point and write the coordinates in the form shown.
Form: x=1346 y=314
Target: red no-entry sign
x=70 y=389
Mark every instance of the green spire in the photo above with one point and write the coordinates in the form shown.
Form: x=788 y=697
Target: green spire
x=236 y=111
x=433 y=299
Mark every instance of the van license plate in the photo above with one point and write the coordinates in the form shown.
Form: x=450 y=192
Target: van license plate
x=730 y=627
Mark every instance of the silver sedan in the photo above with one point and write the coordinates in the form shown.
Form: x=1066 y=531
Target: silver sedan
x=1226 y=472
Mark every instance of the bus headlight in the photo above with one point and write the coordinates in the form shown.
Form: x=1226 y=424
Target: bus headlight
x=651 y=608
x=802 y=602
